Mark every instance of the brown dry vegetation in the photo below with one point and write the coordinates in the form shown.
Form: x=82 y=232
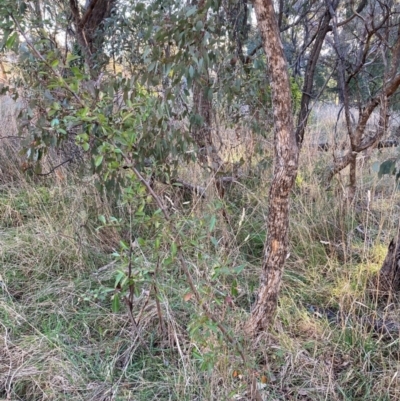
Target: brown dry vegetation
x=60 y=340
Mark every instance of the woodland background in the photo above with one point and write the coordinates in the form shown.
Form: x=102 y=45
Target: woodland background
x=149 y=154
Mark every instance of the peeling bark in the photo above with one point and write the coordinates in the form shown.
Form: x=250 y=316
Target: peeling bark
x=285 y=170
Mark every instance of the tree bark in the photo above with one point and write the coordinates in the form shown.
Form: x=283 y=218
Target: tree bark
x=309 y=76
x=202 y=106
x=285 y=170
x=87 y=28
x=389 y=275
x=344 y=90
x=202 y=134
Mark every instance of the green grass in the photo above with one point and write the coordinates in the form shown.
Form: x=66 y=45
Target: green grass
x=60 y=340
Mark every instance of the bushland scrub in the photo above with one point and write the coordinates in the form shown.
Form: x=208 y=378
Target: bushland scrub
x=63 y=246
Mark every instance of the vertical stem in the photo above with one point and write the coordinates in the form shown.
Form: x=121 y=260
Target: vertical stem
x=202 y=105
x=285 y=170
x=354 y=140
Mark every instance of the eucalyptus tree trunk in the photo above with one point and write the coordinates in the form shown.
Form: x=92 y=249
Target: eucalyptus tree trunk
x=88 y=23
x=304 y=113
x=202 y=106
x=202 y=133
x=285 y=170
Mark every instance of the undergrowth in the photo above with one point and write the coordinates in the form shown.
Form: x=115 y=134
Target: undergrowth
x=62 y=245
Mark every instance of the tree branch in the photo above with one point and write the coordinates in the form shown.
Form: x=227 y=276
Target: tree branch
x=88 y=13
x=359 y=9
x=75 y=11
x=55 y=168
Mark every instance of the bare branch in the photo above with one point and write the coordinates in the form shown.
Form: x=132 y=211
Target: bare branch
x=55 y=168
x=356 y=13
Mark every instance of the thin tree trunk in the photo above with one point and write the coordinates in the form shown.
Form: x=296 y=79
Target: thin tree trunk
x=309 y=77
x=202 y=134
x=391 y=82
x=280 y=14
x=344 y=90
x=389 y=89
x=202 y=106
x=285 y=170
x=88 y=29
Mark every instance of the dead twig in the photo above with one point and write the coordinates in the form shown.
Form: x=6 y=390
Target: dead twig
x=55 y=168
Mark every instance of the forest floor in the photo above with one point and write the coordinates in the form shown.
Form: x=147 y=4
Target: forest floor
x=61 y=340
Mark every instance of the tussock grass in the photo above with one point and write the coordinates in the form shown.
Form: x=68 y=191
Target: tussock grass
x=59 y=338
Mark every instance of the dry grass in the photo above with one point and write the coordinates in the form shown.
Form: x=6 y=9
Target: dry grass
x=60 y=340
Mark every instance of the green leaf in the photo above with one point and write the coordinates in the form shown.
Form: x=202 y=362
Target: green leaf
x=139 y=7
x=102 y=219
x=199 y=25
x=234 y=288
x=54 y=122
x=174 y=249
x=124 y=245
x=11 y=40
x=191 y=11
x=212 y=223
x=77 y=72
x=151 y=66
x=191 y=71
x=375 y=167
x=167 y=261
x=238 y=269
x=72 y=57
x=119 y=278
x=387 y=167
x=218 y=271
x=98 y=160
x=214 y=242
x=209 y=93
x=116 y=304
